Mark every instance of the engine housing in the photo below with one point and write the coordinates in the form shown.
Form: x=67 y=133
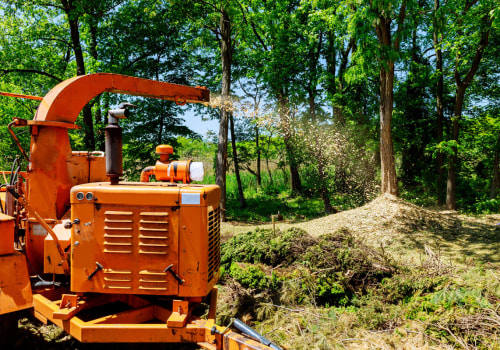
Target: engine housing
x=125 y=236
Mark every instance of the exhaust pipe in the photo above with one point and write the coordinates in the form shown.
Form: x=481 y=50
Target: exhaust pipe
x=114 y=143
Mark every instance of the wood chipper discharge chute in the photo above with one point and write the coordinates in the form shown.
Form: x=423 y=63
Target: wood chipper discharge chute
x=104 y=259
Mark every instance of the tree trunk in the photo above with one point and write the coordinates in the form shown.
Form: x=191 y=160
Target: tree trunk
x=259 y=178
x=439 y=107
x=226 y=57
x=451 y=186
x=439 y=126
x=495 y=182
x=331 y=66
x=459 y=101
x=88 y=123
x=267 y=159
x=98 y=118
x=241 y=197
x=388 y=167
x=296 y=185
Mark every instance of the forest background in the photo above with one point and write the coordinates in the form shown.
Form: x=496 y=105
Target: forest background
x=322 y=104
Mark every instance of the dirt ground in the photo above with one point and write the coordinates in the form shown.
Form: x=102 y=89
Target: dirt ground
x=406 y=230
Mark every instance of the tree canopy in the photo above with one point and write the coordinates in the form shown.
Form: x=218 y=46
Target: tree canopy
x=356 y=97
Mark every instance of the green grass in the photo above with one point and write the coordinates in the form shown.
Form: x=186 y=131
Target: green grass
x=275 y=196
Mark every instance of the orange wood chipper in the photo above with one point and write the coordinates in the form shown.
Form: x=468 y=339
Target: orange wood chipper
x=111 y=261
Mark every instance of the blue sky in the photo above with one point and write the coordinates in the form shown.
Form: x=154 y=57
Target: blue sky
x=195 y=123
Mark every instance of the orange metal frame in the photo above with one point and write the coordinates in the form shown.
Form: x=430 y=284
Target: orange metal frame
x=139 y=321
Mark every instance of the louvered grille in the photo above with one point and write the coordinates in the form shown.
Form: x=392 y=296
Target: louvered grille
x=118 y=232
x=143 y=238
x=153 y=280
x=117 y=279
x=213 y=242
x=153 y=233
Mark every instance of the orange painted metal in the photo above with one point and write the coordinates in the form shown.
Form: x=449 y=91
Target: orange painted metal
x=179 y=315
x=52 y=261
x=64 y=125
x=139 y=321
x=167 y=170
x=68 y=307
x=173 y=171
x=52 y=164
x=136 y=230
x=65 y=101
x=6 y=234
x=62 y=259
x=236 y=341
x=15 y=287
x=164 y=151
x=29 y=97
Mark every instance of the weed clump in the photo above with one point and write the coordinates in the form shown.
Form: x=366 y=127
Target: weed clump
x=292 y=267
x=266 y=247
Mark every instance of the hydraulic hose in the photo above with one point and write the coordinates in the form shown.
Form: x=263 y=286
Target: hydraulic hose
x=242 y=327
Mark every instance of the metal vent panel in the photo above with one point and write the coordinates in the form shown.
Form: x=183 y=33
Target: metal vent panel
x=118 y=279
x=118 y=232
x=213 y=242
x=153 y=280
x=153 y=233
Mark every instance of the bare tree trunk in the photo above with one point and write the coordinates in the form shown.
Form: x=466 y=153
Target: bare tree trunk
x=241 y=197
x=331 y=66
x=439 y=107
x=226 y=56
x=453 y=158
x=70 y=11
x=388 y=166
x=439 y=128
x=495 y=182
x=383 y=30
x=259 y=178
x=98 y=118
x=267 y=160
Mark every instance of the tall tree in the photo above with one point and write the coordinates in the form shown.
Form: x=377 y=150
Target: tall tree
x=69 y=34
x=253 y=92
x=388 y=49
x=149 y=46
x=437 y=38
x=269 y=36
x=469 y=33
x=387 y=19
x=414 y=124
x=217 y=17
x=241 y=197
x=311 y=34
x=74 y=11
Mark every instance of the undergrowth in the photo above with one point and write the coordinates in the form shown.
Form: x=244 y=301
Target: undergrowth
x=335 y=292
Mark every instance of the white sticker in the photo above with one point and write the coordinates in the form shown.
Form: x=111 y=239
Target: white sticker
x=191 y=198
x=38 y=230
